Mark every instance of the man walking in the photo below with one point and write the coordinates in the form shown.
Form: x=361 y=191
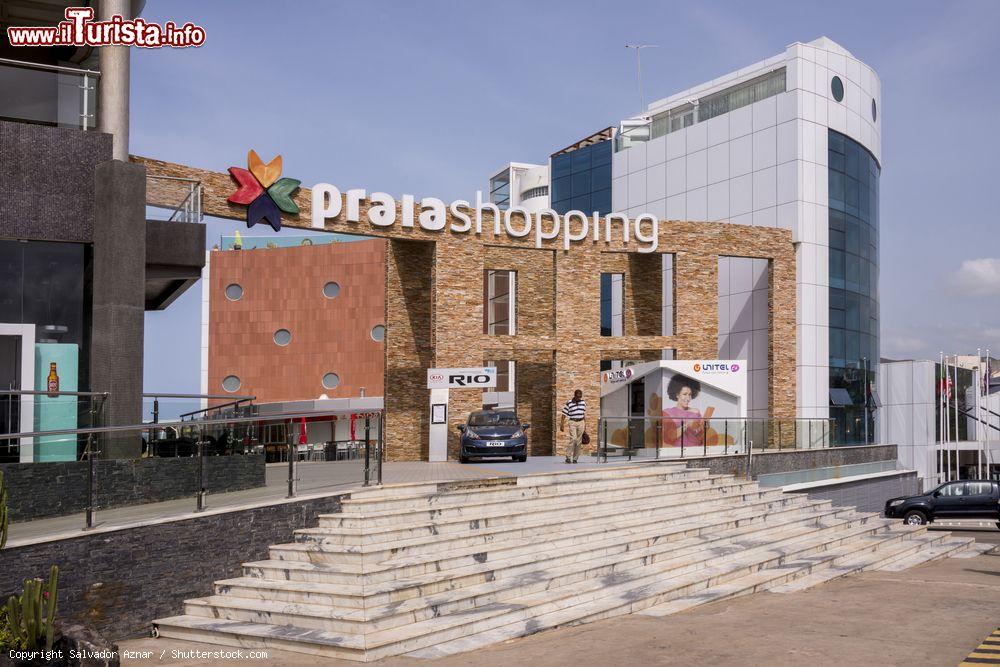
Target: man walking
x=575 y=410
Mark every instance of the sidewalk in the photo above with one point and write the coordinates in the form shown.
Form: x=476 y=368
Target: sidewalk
x=932 y=615
x=315 y=478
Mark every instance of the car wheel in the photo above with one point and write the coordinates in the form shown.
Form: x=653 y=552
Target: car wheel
x=463 y=458
x=914 y=518
x=522 y=459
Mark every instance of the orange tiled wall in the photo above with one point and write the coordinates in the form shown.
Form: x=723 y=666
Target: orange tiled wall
x=283 y=288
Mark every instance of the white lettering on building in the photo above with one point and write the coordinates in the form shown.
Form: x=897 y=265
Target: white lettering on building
x=515 y=222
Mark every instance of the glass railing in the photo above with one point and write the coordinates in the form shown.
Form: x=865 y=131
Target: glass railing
x=824 y=474
x=48 y=94
x=173 y=199
x=228 y=456
x=666 y=437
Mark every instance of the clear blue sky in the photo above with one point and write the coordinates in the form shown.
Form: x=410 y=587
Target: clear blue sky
x=429 y=97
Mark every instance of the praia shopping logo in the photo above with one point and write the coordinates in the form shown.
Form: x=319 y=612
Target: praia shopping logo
x=262 y=190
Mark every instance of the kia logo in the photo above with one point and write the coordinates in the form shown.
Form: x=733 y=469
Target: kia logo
x=436 y=377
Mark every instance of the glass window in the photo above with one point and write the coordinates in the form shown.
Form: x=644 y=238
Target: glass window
x=580 y=159
x=234 y=292
x=612 y=303
x=331 y=381
x=498 y=296
x=231 y=383
x=500 y=189
x=978 y=489
x=952 y=490
x=561 y=165
x=378 y=333
x=874 y=111
x=837 y=88
x=282 y=337
x=505 y=371
x=581 y=183
x=331 y=290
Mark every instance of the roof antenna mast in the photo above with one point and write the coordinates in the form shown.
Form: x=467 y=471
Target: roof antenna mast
x=638 y=70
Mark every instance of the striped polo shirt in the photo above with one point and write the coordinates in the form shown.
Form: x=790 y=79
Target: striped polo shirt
x=575 y=409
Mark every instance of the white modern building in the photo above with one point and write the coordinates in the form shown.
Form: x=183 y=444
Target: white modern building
x=943 y=425
x=792 y=141
x=521 y=184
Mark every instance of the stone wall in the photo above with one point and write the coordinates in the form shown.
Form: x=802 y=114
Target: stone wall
x=38 y=490
x=792 y=460
x=118 y=581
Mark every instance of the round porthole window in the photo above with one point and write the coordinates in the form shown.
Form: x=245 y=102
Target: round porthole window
x=331 y=380
x=282 y=337
x=234 y=292
x=378 y=333
x=331 y=289
x=874 y=111
x=837 y=88
x=231 y=383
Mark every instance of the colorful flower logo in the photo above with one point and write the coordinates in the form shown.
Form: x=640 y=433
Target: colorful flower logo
x=262 y=190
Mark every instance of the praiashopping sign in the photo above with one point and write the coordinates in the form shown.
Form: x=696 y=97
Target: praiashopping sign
x=431 y=214
x=267 y=196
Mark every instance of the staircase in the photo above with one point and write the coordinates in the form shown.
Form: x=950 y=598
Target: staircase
x=434 y=569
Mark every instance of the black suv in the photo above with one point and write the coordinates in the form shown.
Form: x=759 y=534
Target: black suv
x=969 y=499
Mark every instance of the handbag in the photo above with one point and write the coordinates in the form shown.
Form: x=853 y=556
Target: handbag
x=585 y=438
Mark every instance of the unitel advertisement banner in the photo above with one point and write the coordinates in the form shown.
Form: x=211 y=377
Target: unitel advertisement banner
x=664 y=404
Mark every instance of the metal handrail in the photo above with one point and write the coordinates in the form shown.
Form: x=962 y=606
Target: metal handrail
x=145 y=426
x=50 y=68
x=32 y=392
x=209 y=396
x=221 y=406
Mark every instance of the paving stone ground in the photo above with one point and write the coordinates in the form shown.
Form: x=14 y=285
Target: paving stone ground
x=931 y=615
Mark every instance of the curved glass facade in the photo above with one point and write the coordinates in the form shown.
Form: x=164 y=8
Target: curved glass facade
x=854 y=314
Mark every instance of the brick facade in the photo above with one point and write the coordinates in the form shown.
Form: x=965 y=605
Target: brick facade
x=434 y=310
x=283 y=289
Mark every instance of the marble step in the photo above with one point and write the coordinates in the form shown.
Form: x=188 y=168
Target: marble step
x=429 y=529
x=943 y=549
x=683 y=558
x=398 y=591
x=463 y=555
x=568 y=605
x=758 y=512
x=862 y=561
x=507 y=492
x=625 y=600
x=976 y=549
x=416 y=524
x=484 y=533
x=403 y=517
x=568 y=476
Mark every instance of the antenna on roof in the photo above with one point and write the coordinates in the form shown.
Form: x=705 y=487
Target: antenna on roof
x=638 y=70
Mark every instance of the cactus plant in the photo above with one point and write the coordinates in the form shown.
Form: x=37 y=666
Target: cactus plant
x=3 y=510
x=32 y=615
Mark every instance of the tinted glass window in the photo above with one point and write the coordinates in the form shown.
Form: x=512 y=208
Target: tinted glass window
x=978 y=489
x=493 y=419
x=953 y=490
x=837 y=88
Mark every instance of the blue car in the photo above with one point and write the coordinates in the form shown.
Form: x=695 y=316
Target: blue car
x=489 y=433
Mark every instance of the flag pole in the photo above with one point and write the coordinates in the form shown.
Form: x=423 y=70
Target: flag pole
x=941 y=387
x=955 y=442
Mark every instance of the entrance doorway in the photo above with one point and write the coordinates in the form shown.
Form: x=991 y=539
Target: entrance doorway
x=17 y=372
